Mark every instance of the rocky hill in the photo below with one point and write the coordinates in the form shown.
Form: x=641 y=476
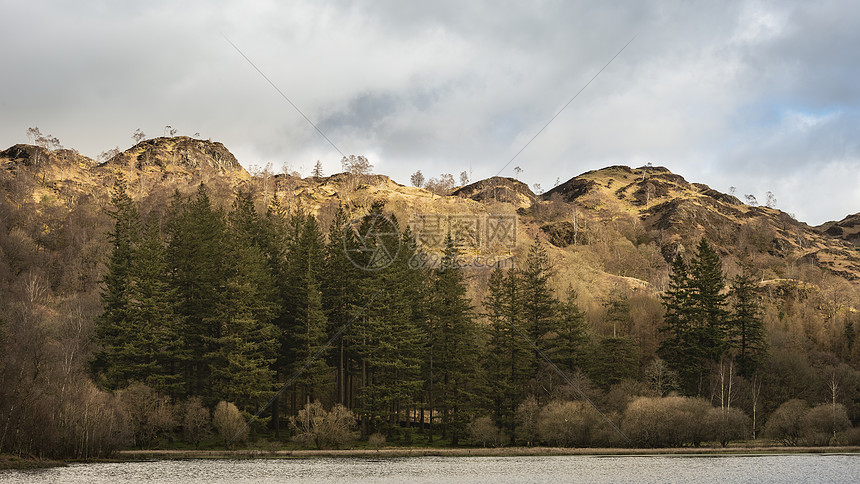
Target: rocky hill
x=846 y=229
x=616 y=225
x=676 y=213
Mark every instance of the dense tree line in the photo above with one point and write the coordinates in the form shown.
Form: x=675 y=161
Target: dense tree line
x=206 y=308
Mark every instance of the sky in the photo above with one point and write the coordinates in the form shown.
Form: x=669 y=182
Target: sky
x=748 y=97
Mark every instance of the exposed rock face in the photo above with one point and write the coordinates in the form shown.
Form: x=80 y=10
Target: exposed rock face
x=497 y=188
x=676 y=212
x=38 y=157
x=847 y=229
x=179 y=153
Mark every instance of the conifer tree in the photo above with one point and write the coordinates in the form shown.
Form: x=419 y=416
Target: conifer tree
x=159 y=337
x=709 y=301
x=510 y=359
x=337 y=285
x=115 y=362
x=453 y=346
x=696 y=322
x=306 y=326
x=569 y=348
x=539 y=304
x=387 y=340
x=747 y=332
x=196 y=256
x=244 y=353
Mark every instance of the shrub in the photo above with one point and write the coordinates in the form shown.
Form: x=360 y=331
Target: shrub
x=527 y=418
x=668 y=421
x=785 y=423
x=822 y=423
x=149 y=414
x=314 y=425
x=567 y=424
x=376 y=440
x=484 y=432
x=727 y=424
x=229 y=423
x=196 y=423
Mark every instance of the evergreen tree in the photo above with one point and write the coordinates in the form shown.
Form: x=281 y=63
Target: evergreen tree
x=539 y=305
x=696 y=322
x=115 y=362
x=571 y=343
x=387 y=340
x=306 y=324
x=614 y=359
x=338 y=287
x=709 y=300
x=159 y=340
x=748 y=332
x=510 y=359
x=197 y=258
x=453 y=346
x=242 y=361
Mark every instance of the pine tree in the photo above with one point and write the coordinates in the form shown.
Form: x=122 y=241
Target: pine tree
x=747 y=332
x=242 y=362
x=696 y=322
x=453 y=346
x=614 y=359
x=570 y=346
x=159 y=338
x=539 y=305
x=510 y=359
x=708 y=309
x=387 y=339
x=115 y=362
x=197 y=260
x=337 y=285
x=306 y=325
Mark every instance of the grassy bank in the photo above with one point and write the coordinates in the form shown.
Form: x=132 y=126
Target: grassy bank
x=468 y=452
x=15 y=462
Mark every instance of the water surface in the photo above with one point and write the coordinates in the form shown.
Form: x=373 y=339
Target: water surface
x=792 y=468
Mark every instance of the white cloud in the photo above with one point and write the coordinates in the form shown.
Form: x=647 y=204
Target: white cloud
x=749 y=94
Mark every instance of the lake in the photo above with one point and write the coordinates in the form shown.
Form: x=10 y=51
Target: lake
x=791 y=468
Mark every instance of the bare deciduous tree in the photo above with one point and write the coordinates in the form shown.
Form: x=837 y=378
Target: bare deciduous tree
x=417 y=179
x=138 y=136
x=318 y=169
x=464 y=178
x=356 y=165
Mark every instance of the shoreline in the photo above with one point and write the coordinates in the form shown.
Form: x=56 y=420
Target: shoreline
x=14 y=462
x=136 y=455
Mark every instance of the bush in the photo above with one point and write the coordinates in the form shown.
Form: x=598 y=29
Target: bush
x=376 y=440
x=668 y=421
x=484 y=432
x=785 y=423
x=316 y=426
x=848 y=437
x=149 y=414
x=821 y=424
x=196 y=424
x=727 y=424
x=567 y=424
x=229 y=423
x=527 y=418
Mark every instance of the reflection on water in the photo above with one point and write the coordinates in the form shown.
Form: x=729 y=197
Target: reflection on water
x=462 y=470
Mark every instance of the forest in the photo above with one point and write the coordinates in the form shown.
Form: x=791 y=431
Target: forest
x=190 y=322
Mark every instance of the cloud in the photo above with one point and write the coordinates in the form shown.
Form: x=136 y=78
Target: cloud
x=758 y=95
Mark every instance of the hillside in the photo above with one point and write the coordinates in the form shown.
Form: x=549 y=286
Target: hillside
x=220 y=271
x=676 y=213
x=846 y=229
